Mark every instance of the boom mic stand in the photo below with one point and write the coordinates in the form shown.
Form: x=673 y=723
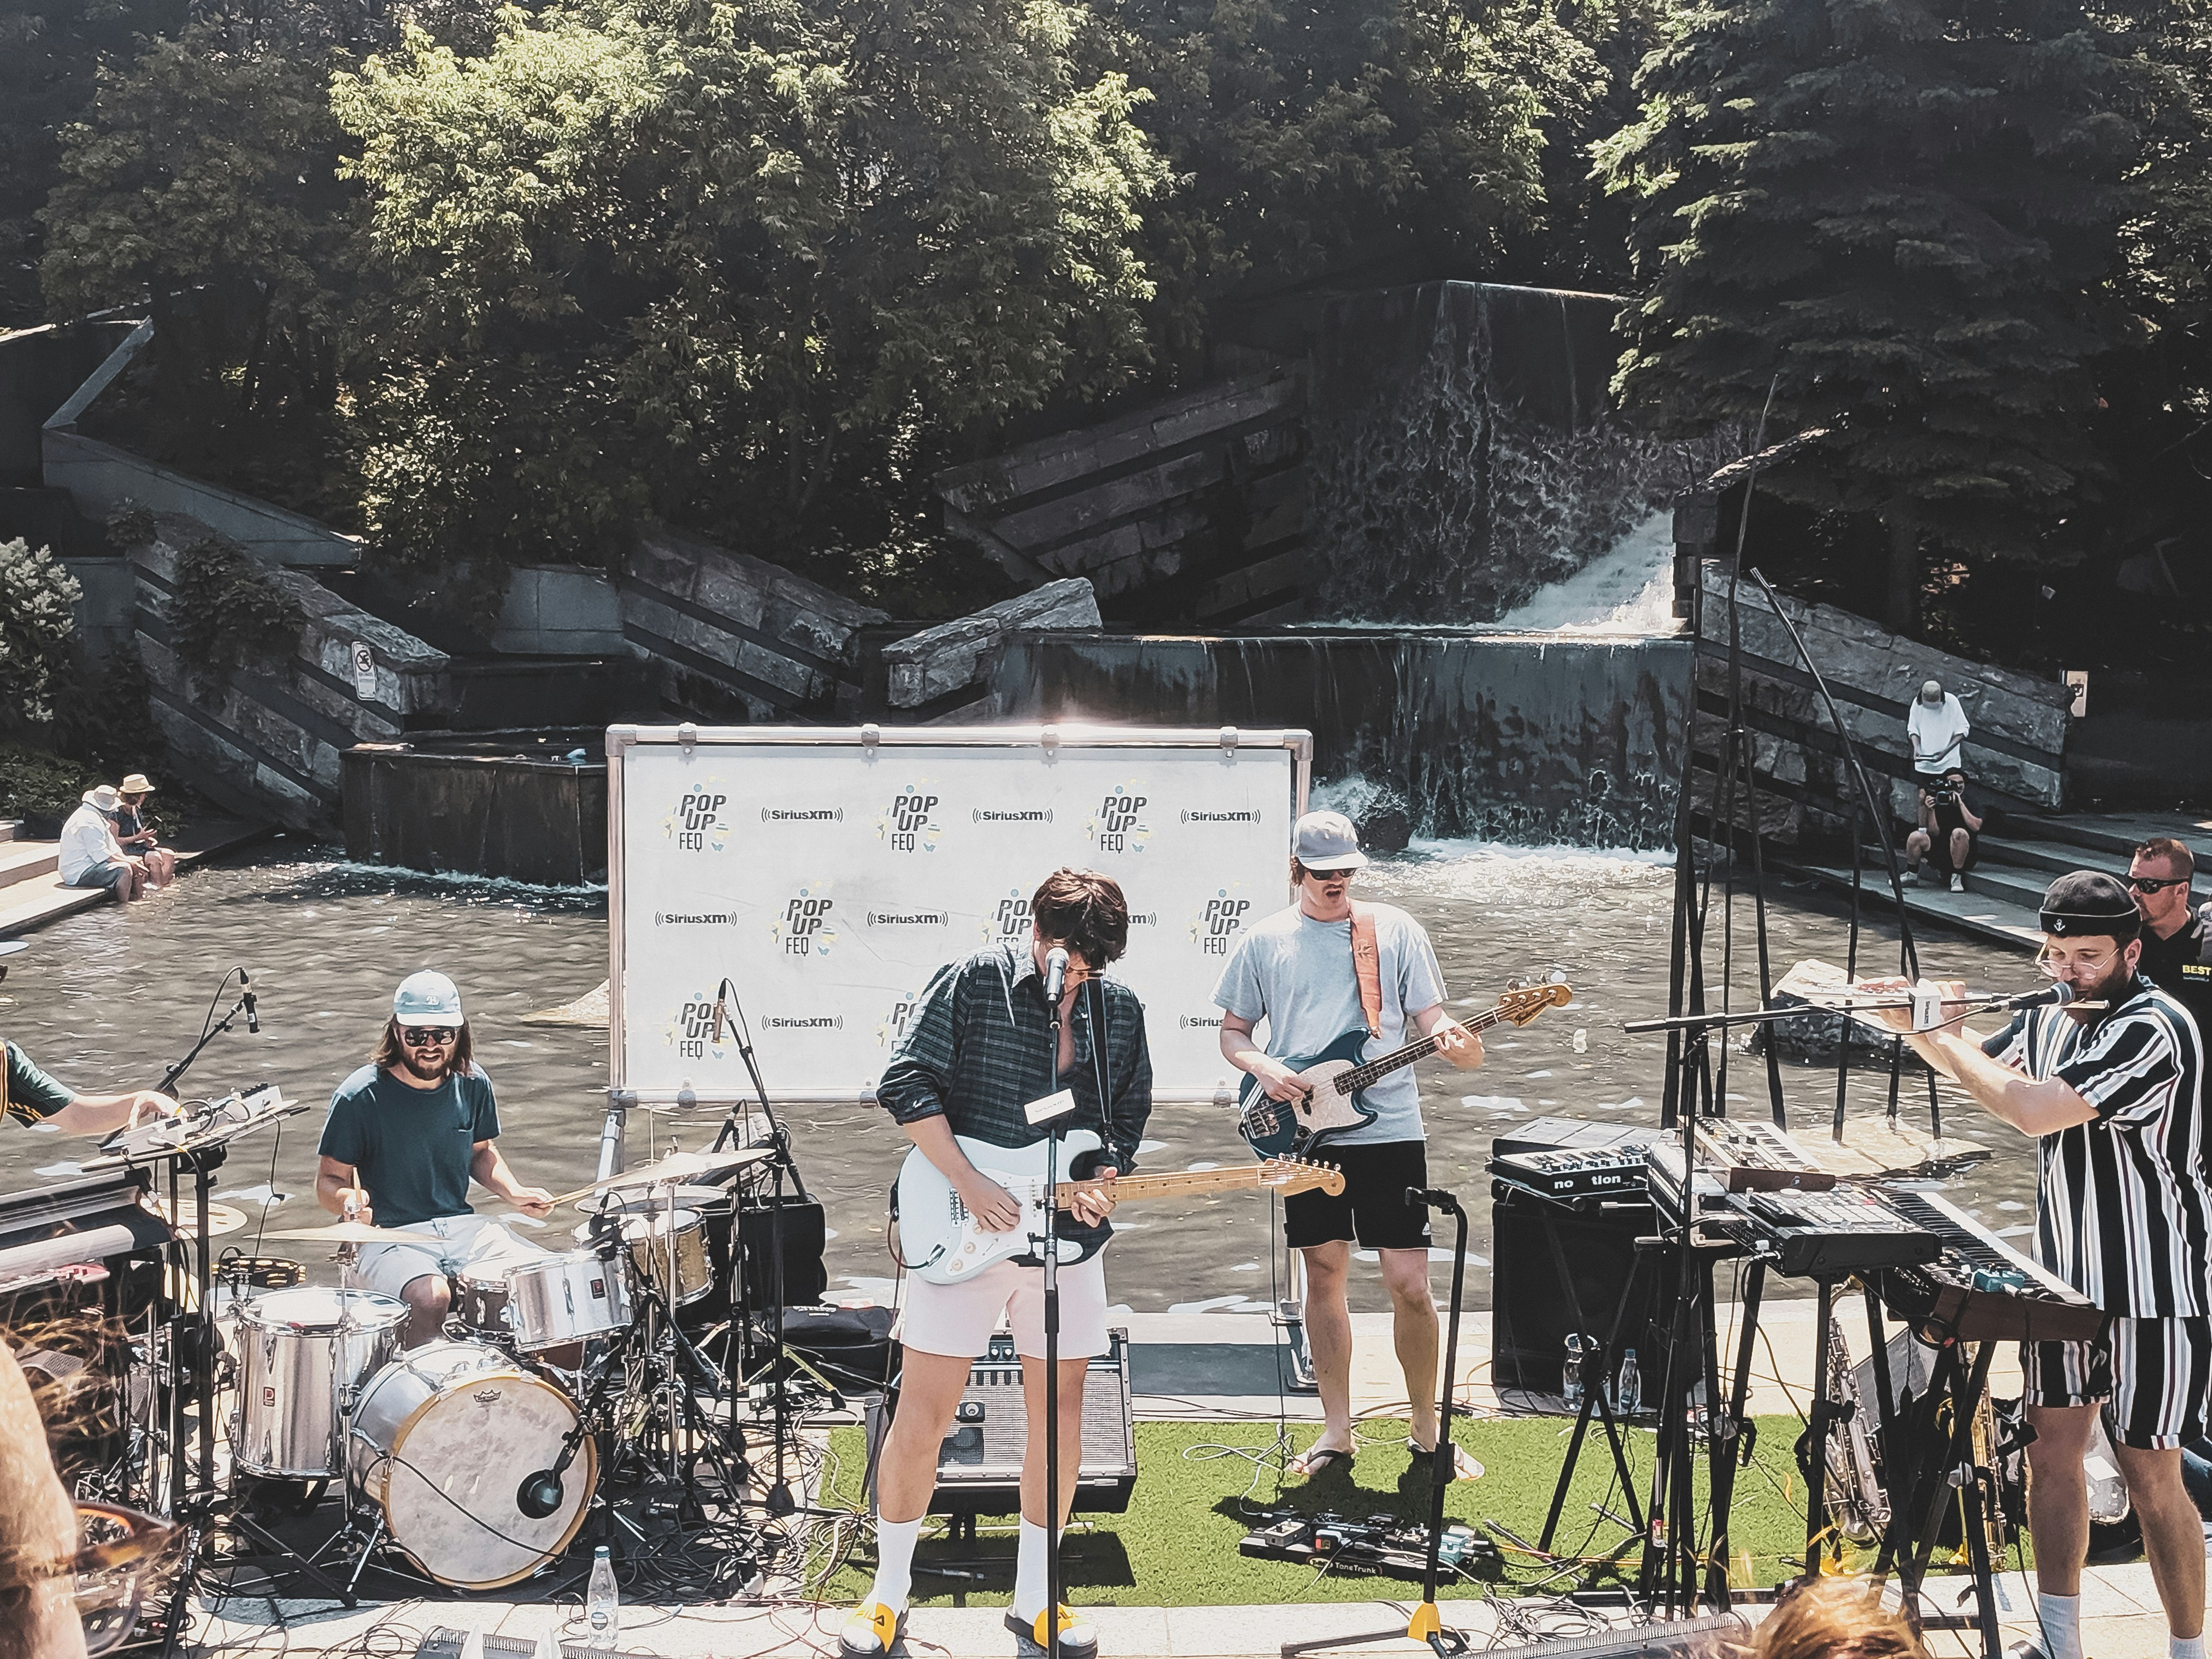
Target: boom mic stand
x=1056 y=970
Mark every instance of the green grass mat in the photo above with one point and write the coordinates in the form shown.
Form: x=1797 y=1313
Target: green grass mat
x=1177 y=1545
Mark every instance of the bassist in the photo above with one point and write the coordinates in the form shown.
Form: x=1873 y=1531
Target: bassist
x=975 y=1052
x=1297 y=970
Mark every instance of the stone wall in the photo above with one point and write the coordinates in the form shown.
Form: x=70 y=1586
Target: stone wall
x=945 y=666
x=558 y=611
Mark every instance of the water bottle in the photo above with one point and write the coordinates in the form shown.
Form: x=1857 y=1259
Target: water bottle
x=602 y=1601
x=1570 y=1370
x=1628 y=1390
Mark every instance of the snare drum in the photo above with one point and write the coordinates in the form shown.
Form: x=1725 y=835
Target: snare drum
x=442 y=1440
x=649 y=1237
x=480 y=1305
x=293 y=1367
x=565 y=1298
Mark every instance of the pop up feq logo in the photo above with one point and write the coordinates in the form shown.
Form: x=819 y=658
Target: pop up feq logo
x=1119 y=825
x=691 y=1032
x=909 y=824
x=1216 y=923
x=803 y=926
x=700 y=822
x=1008 y=920
x=893 y=1025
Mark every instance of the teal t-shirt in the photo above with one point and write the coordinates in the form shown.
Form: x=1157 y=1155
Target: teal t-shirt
x=411 y=1147
x=32 y=1094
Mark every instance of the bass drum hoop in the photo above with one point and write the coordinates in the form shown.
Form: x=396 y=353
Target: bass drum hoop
x=587 y=1460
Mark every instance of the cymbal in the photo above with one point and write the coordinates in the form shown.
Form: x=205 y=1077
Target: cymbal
x=354 y=1232
x=676 y=1167
x=222 y=1219
x=685 y=1198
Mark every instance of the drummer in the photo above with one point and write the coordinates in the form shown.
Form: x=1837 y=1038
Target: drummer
x=405 y=1133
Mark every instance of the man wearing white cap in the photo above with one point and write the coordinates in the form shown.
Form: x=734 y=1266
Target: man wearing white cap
x=1297 y=970
x=405 y=1133
x=1937 y=725
x=90 y=854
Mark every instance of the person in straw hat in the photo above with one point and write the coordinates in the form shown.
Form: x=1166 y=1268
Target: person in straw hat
x=135 y=838
x=90 y=854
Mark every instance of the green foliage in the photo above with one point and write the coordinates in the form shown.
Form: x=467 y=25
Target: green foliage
x=696 y=255
x=38 y=630
x=38 y=781
x=226 y=613
x=1901 y=217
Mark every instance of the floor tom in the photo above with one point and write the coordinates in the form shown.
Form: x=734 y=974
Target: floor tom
x=299 y=1352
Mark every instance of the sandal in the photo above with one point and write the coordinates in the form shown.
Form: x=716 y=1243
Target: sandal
x=871 y=1632
x=1463 y=1467
x=1079 y=1636
x=1317 y=1460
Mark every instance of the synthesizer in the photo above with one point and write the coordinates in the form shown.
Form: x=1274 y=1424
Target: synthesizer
x=1685 y=1638
x=1752 y=1156
x=1980 y=1289
x=1823 y=1235
x=1574 y=1172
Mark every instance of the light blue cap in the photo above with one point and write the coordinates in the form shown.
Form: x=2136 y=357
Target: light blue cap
x=427 y=995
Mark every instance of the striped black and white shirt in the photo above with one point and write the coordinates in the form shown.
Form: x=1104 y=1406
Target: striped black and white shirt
x=2123 y=1210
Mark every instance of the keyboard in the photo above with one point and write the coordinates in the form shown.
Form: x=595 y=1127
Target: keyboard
x=1980 y=1289
x=1826 y=1234
x=1752 y=1156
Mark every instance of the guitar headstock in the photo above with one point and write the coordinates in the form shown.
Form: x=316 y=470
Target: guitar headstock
x=1522 y=1003
x=1297 y=1175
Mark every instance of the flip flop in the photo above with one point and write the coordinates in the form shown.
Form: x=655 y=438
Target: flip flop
x=1318 y=1461
x=1463 y=1467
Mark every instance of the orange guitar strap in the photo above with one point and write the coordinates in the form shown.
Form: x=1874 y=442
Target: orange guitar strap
x=1367 y=967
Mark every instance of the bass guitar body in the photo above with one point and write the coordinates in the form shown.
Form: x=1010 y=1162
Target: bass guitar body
x=1293 y=1128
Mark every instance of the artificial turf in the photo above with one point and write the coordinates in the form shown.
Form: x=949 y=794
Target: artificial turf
x=1177 y=1544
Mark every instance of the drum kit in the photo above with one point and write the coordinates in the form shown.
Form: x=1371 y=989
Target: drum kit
x=475 y=1457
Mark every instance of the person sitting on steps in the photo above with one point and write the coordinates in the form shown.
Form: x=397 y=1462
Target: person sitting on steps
x=1949 y=833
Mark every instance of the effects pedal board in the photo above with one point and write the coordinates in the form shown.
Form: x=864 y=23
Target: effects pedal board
x=1381 y=1546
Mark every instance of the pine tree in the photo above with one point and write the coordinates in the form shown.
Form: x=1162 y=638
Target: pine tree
x=1901 y=216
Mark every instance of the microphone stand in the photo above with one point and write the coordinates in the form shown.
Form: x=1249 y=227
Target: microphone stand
x=779 y=1501
x=209 y=1034
x=1051 y=1246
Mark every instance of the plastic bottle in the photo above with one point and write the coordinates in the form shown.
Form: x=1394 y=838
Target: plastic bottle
x=602 y=1601
x=1570 y=1370
x=1628 y=1390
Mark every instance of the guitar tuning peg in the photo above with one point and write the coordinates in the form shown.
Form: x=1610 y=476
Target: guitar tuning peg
x=1515 y=984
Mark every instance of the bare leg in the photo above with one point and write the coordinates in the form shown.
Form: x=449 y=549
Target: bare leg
x=1071 y=1375
x=930 y=1387
x=1961 y=845
x=1328 y=1339
x=426 y=1299
x=2172 y=1532
x=1916 y=847
x=1414 y=1331
x=2058 y=1496
x=38 y=1530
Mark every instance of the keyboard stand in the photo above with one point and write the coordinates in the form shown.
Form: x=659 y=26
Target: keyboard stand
x=1597 y=1369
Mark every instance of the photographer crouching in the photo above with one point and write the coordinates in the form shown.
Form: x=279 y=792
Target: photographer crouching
x=1949 y=833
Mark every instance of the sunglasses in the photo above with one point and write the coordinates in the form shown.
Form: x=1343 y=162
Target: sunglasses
x=117 y=1553
x=428 y=1037
x=2156 y=884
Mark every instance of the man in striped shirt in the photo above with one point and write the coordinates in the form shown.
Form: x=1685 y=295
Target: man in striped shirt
x=2124 y=1214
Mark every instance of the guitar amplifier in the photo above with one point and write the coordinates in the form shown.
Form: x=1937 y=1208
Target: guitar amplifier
x=979 y=1467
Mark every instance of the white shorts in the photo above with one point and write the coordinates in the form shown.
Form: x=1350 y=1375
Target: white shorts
x=476 y=1243
x=958 y=1320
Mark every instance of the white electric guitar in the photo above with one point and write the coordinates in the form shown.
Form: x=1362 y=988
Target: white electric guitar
x=939 y=1240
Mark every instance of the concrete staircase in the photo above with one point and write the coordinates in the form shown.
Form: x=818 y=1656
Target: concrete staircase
x=2004 y=889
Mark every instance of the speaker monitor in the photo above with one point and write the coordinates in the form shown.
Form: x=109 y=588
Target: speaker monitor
x=1533 y=1314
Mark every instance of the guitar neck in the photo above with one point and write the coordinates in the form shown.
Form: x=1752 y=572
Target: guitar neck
x=1176 y=1183
x=1374 y=1070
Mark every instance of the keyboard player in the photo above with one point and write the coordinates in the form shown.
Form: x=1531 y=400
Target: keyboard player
x=28 y=1095
x=2123 y=1210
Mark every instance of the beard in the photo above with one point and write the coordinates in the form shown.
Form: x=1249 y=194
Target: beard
x=431 y=1072
x=2113 y=986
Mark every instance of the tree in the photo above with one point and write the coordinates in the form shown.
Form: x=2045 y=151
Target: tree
x=1899 y=217
x=38 y=630
x=698 y=256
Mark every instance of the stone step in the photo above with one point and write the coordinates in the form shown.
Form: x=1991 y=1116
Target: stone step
x=10 y=829
x=1990 y=915
x=2019 y=887
x=2052 y=858
x=23 y=861
x=2118 y=833
x=36 y=900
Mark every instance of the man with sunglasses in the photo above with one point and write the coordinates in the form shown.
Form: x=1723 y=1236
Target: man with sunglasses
x=405 y=1134
x=2177 y=937
x=2124 y=1214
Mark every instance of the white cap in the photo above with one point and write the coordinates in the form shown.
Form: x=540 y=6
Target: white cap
x=427 y=995
x=1327 y=841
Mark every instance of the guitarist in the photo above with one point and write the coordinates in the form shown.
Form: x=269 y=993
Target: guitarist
x=1297 y=970
x=974 y=1054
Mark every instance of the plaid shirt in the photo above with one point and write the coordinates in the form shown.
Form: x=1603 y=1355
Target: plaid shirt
x=975 y=1052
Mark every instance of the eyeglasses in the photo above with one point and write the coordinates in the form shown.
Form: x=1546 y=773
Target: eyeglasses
x=118 y=1553
x=428 y=1037
x=2080 y=966
x=2156 y=884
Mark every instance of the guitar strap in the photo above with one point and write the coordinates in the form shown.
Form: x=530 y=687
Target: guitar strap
x=1367 y=967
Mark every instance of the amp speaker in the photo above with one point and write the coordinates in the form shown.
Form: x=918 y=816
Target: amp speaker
x=979 y=1466
x=1533 y=1313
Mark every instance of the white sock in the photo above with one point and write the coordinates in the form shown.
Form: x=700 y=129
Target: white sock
x=2185 y=1647
x=2061 y=1617
x=1028 y=1573
x=894 y=1542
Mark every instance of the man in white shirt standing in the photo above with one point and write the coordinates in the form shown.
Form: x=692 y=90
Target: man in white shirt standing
x=1296 y=970
x=1937 y=727
x=90 y=854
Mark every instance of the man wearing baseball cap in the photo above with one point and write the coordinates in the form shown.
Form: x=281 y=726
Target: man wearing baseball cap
x=2124 y=1214
x=405 y=1134
x=1296 y=970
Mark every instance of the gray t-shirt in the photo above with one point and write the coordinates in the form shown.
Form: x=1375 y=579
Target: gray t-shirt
x=1298 y=973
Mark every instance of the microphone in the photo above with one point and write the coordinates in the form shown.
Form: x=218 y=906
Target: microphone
x=252 y=1004
x=540 y=1494
x=2056 y=994
x=1056 y=972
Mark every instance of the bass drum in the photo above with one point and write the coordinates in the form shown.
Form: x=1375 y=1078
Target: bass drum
x=443 y=1439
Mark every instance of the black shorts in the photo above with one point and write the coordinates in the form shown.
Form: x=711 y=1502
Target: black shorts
x=1372 y=1207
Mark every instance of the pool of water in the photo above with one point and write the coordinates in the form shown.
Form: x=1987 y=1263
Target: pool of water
x=107 y=999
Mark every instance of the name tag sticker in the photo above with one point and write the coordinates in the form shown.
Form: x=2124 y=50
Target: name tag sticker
x=1052 y=1106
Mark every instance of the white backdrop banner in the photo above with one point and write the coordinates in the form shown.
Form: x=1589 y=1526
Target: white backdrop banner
x=827 y=873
